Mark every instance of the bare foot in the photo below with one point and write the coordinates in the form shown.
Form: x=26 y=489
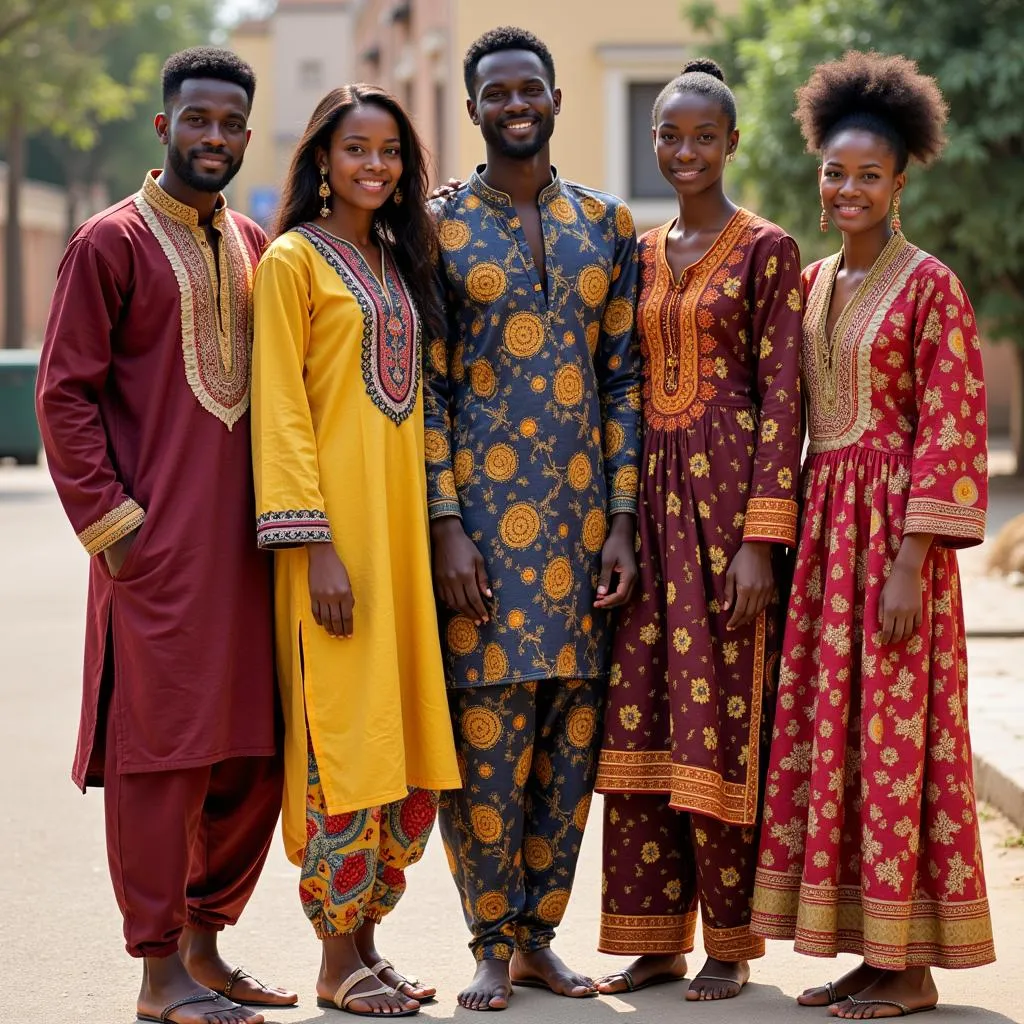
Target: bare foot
x=645 y=971
x=340 y=960
x=542 y=969
x=891 y=994
x=203 y=961
x=165 y=981
x=366 y=944
x=490 y=988
x=849 y=984
x=719 y=979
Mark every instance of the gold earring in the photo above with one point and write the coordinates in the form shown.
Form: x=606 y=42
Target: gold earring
x=896 y=224
x=397 y=196
x=730 y=157
x=823 y=223
x=325 y=193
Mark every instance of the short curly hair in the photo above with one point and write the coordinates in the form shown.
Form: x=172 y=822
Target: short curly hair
x=704 y=78
x=886 y=95
x=206 y=62
x=496 y=40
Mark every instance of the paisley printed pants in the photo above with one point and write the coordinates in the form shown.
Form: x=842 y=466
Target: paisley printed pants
x=354 y=865
x=658 y=864
x=528 y=757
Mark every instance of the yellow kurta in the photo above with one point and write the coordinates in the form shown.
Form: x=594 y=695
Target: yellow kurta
x=337 y=415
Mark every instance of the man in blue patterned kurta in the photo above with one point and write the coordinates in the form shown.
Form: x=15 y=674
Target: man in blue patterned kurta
x=532 y=447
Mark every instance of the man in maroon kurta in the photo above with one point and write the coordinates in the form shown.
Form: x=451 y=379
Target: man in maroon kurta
x=143 y=401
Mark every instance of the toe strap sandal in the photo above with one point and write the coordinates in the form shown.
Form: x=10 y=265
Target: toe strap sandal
x=199 y=997
x=387 y=965
x=345 y=995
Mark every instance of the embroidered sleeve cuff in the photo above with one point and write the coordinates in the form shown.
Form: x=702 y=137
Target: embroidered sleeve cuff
x=772 y=520
x=117 y=523
x=622 y=503
x=440 y=507
x=953 y=525
x=292 y=527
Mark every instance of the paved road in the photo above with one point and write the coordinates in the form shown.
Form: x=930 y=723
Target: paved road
x=62 y=956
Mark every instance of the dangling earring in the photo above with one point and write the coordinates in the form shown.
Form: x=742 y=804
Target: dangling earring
x=823 y=223
x=397 y=196
x=896 y=224
x=325 y=193
x=730 y=157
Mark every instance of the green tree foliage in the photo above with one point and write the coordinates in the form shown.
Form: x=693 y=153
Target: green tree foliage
x=969 y=208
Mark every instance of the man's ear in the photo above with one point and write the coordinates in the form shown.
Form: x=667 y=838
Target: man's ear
x=471 y=108
x=162 y=124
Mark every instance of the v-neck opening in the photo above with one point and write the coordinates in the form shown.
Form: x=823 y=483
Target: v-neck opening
x=380 y=282
x=663 y=245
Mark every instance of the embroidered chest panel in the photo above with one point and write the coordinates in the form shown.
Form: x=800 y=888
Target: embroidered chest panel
x=216 y=309
x=837 y=370
x=391 y=327
x=677 y=321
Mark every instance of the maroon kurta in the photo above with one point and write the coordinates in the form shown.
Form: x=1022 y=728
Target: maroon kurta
x=143 y=401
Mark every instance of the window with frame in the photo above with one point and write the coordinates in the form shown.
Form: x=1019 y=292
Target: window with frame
x=645 y=180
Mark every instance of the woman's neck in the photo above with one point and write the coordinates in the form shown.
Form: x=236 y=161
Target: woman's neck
x=353 y=224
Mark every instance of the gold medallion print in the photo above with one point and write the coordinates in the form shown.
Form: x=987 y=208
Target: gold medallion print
x=624 y=221
x=482 y=378
x=524 y=334
x=614 y=438
x=618 y=317
x=965 y=491
x=595 y=528
x=569 y=385
x=558 y=578
x=528 y=426
x=462 y=636
x=519 y=526
x=516 y=618
x=435 y=445
x=593 y=333
x=486 y=282
x=481 y=727
x=582 y=812
x=453 y=235
x=593 y=208
x=463 y=466
x=487 y=823
x=537 y=852
x=565 y=663
x=446 y=484
x=580 y=726
x=439 y=356
x=491 y=906
x=552 y=907
x=501 y=462
x=561 y=209
x=592 y=284
x=495 y=663
x=579 y=471
x=627 y=480
x=522 y=770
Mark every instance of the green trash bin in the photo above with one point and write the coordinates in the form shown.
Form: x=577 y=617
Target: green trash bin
x=19 y=429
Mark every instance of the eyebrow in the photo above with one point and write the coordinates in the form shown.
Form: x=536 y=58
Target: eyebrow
x=862 y=167
x=706 y=124
x=366 y=138
x=197 y=108
x=491 y=84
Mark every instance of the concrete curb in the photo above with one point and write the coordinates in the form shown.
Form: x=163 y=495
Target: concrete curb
x=993 y=786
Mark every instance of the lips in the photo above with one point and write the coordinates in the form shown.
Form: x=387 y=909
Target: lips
x=520 y=126
x=215 y=161
x=686 y=174
x=372 y=184
x=848 y=209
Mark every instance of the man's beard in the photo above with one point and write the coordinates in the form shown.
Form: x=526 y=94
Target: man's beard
x=525 y=150
x=181 y=164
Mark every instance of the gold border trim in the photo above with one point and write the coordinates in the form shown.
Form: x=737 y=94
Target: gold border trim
x=117 y=523
x=629 y=935
x=944 y=518
x=771 y=519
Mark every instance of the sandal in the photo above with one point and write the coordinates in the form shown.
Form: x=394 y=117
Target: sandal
x=905 y=1011
x=237 y=975
x=385 y=964
x=662 y=978
x=199 y=997
x=345 y=995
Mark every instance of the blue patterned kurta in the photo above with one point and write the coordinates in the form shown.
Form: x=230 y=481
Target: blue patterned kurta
x=532 y=417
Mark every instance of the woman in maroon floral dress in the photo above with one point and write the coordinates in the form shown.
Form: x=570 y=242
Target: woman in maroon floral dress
x=719 y=320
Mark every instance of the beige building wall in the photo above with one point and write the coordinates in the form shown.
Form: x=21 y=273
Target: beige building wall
x=252 y=42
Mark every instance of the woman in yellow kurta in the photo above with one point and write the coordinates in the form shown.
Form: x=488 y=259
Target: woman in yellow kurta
x=342 y=299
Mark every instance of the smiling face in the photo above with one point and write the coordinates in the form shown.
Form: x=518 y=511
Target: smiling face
x=858 y=180
x=692 y=140
x=206 y=132
x=364 y=162
x=515 y=104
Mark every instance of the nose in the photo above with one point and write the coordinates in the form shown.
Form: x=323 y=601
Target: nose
x=516 y=103
x=849 y=187
x=374 y=160
x=213 y=136
x=685 y=153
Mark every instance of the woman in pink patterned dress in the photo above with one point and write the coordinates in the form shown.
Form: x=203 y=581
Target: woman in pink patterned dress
x=870 y=839
x=719 y=322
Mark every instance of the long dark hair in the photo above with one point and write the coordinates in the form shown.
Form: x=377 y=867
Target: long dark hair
x=406 y=228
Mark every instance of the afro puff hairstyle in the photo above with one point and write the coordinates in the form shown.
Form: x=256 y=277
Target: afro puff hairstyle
x=704 y=78
x=206 y=62
x=504 y=38
x=885 y=95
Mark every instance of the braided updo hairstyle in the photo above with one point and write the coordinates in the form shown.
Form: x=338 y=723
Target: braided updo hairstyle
x=704 y=78
x=885 y=95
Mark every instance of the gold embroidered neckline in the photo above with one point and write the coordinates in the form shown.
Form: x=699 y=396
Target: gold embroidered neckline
x=163 y=201
x=738 y=220
x=826 y=348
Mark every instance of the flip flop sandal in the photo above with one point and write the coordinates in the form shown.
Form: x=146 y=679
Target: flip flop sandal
x=537 y=983
x=662 y=978
x=237 y=975
x=386 y=964
x=833 y=997
x=905 y=1011
x=345 y=995
x=199 y=997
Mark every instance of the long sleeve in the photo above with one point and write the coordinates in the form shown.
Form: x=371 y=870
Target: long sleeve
x=73 y=371
x=618 y=368
x=771 y=513
x=442 y=497
x=290 y=509
x=949 y=472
